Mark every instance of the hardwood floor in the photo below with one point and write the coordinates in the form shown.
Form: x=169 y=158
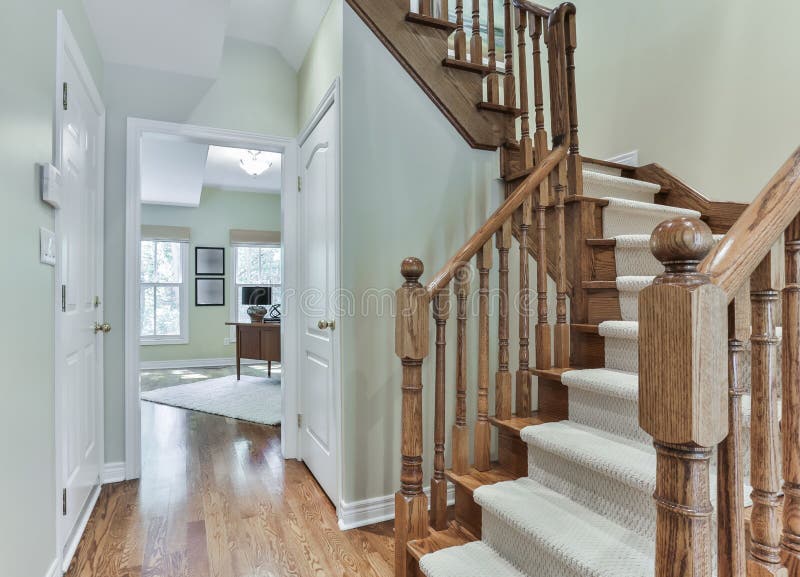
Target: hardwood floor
x=216 y=499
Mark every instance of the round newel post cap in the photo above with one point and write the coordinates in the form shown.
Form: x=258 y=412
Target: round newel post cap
x=681 y=242
x=412 y=269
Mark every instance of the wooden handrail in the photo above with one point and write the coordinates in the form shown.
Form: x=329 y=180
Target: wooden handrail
x=495 y=222
x=732 y=262
x=533 y=8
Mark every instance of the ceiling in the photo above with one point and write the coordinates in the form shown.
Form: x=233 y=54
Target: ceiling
x=175 y=170
x=188 y=36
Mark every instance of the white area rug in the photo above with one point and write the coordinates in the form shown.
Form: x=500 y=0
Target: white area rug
x=256 y=399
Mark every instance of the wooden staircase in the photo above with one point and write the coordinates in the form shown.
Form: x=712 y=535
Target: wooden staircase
x=491 y=102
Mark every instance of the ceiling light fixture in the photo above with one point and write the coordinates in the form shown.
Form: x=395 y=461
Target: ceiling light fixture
x=255 y=162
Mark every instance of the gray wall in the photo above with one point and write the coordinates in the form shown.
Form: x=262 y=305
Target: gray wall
x=27 y=93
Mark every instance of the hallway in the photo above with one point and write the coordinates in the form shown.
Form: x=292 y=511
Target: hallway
x=216 y=498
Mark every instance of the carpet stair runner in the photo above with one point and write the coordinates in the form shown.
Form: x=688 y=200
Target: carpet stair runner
x=585 y=508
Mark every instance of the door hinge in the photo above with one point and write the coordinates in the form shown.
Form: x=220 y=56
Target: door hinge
x=64 y=97
x=63 y=298
x=299 y=184
x=299 y=420
x=64 y=502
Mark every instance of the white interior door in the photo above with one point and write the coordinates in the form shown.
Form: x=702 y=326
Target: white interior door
x=318 y=266
x=79 y=271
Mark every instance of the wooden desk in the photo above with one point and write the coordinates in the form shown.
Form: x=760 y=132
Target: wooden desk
x=258 y=341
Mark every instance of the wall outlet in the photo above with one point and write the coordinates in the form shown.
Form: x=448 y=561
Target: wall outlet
x=47 y=246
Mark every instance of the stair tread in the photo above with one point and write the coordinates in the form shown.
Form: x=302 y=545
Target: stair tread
x=475 y=478
x=626 y=461
x=467 y=66
x=515 y=424
x=624 y=203
x=628 y=330
x=431 y=21
x=553 y=373
x=453 y=536
x=605 y=381
x=471 y=560
x=633 y=283
x=511 y=110
x=590 y=543
x=600 y=184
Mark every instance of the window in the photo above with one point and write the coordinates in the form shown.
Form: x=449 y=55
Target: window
x=255 y=266
x=163 y=298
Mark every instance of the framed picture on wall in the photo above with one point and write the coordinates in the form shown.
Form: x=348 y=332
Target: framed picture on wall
x=209 y=261
x=209 y=292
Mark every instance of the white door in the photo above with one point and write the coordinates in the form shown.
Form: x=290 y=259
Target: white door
x=318 y=372
x=79 y=306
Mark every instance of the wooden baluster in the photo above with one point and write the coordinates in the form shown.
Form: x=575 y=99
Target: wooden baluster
x=557 y=64
x=509 y=82
x=441 y=312
x=790 y=422
x=731 y=551
x=543 y=333
x=502 y=379
x=540 y=136
x=574 y=159
x=525 y=143
x=460 y=38
x=411 y=345
x=683 y=395
x=476 y=42
x=483 y=432
x=561 y=344
x=492 y=80
x=765 y=475
x=425 y=7
x=444 y=10
x=460 y=430
x=523 y=389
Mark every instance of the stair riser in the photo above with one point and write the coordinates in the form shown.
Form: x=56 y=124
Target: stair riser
x=512 y=453
x=636 y=261
x=624 y=220
x=603 y=305
x=607 y=413
x=630 y=507
x=622 y=354
x=467 y=511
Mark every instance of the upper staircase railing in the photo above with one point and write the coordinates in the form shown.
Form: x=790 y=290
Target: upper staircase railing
x=550 y=176
x=694 y=322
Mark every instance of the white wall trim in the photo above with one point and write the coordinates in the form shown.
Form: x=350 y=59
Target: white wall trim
x=630 y=158
x=53 y=571
x=377 y=509
x=114 y=472
x=195 y=363
x=74 y=539
x=137 y=128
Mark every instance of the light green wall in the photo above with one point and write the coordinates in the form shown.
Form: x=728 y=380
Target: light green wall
x=219 y=211
x=256 y=92
x=27 y=94
x=322 y=64
x=707 y=89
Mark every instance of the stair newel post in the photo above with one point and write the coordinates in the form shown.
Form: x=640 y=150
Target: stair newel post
x=441 y=312
x=509 y=82
x=540 y=135
x=492 y=80
x=460 y=38
x=502 y=379
x=765 y=460
x=476 y=42
x=523 y=385
x=790 y=425
x=683 y=393
x=411 y=345
x=525 y=143
x=460 y=430
x=561 y=344
x=483 y=432
x=543 y=333
x=574 y=159
x=731 y=548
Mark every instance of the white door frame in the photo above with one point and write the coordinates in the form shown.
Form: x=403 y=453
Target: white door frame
x=137 y=128
x=330 y=101
x=67 y=47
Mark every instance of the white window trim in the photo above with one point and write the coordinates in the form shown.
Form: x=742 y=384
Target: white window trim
x=183 y=338
x=234 y=316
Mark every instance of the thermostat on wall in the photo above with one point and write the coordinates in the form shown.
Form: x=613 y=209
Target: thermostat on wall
x=50 y=181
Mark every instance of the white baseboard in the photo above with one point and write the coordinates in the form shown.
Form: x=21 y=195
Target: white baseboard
x=376 y=510
x=630 y=158
x=194 y=363
x=114 y=472
x=80 y=526
x=53 y=571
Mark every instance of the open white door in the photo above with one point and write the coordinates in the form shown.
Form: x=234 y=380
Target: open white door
x=79 y=272
x=319 y=387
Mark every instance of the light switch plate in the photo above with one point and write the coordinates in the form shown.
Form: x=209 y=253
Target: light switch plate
x=47 y=246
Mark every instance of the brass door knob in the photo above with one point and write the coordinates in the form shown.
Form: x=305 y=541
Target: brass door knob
x=104 y=328
x=322 y=325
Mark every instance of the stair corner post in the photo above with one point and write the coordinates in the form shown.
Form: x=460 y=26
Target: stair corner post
x=683 y=393
x=411 y=345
